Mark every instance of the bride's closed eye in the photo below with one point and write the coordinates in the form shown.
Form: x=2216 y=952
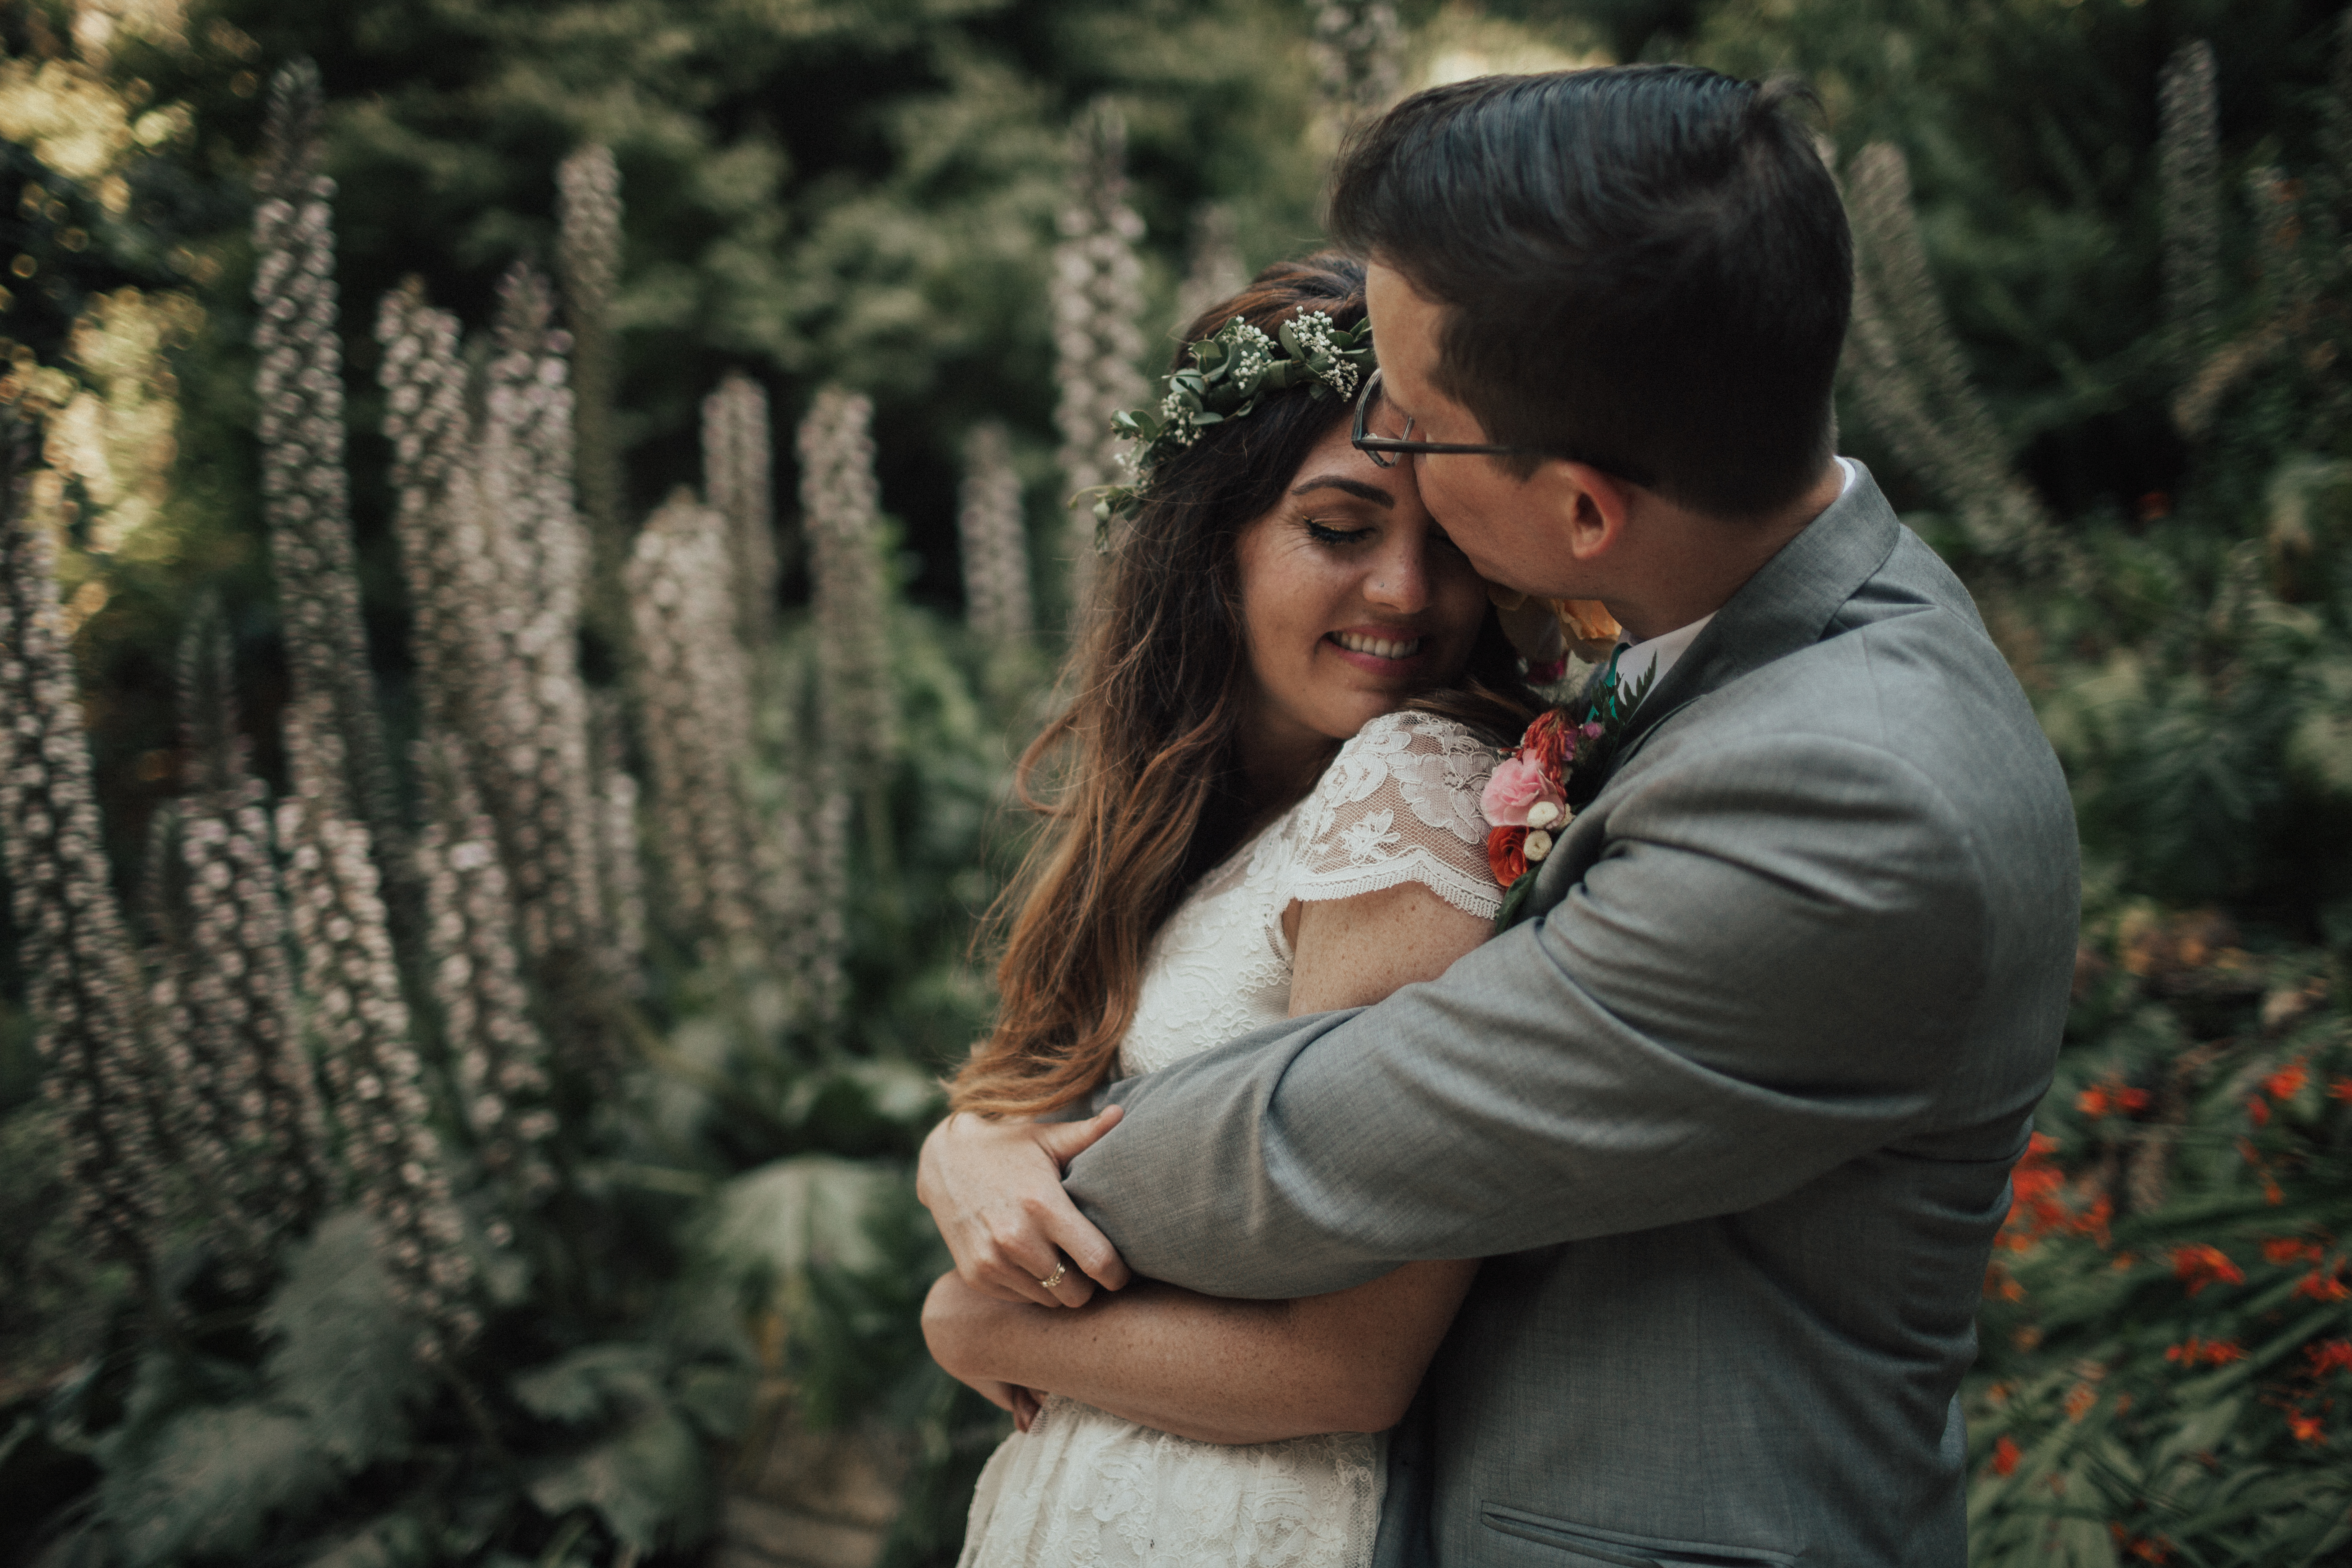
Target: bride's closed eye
x=1329 y=533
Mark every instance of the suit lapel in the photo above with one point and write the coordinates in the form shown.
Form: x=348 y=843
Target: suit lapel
x=1785 y=606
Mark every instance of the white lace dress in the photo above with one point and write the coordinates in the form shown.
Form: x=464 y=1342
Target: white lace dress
x=1398 y=803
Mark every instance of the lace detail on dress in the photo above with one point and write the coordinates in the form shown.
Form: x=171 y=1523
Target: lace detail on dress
x=1398 y=803
x=1081 y=1488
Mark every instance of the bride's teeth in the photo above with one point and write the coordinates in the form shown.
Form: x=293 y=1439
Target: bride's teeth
x=1378 y=647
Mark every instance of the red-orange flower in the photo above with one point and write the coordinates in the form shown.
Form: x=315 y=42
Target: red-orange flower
x=2329 y=1356
x=1507 y=853
x=2102 y=1099
x=2340 y=1089
x=2306 y=1428
x=1550 y=743
x=2258 y=1111
x=2079 y=1400
x=2290 y=1250
x=2200 y=1265
x=2194 y=1352
x=2005 y=1455
x=2325 y=1285
x=2287 y=1082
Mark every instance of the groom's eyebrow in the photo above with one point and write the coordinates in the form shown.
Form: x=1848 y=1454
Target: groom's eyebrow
x=1356 y=487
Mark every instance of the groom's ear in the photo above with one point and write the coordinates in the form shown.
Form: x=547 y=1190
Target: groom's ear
x=1591 y=506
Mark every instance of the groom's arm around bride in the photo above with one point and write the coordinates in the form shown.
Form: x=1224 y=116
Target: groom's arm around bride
x=1732 y=1118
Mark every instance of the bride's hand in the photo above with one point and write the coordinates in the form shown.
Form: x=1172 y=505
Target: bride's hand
x=995 y=1190
x=957 y=1325
x=1024 y=1403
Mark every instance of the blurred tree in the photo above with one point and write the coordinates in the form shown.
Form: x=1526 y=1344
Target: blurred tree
x=2030 y=133
x=814 y=191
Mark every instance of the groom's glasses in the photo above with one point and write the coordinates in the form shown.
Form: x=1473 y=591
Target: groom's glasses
x=1376 y=447
x=1384 y=449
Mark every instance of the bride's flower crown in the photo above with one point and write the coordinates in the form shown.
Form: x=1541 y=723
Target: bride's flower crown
x=1230 y=370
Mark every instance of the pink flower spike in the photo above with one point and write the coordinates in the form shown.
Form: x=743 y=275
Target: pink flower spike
x=1591 y=731
x=1517 y=785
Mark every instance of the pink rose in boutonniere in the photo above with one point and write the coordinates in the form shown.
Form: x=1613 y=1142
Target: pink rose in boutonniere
x=1517 y=786
x=1526 y=800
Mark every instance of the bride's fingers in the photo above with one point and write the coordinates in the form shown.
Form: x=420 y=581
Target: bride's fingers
x=1024 y=1264
x=1065 y=1141
x=1090 y=1252
x=1072 y=1288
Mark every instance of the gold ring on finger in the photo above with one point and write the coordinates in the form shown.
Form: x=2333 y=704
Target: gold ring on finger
x=1055 y=1276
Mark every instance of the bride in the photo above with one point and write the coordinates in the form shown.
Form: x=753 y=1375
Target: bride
x=1286 y=708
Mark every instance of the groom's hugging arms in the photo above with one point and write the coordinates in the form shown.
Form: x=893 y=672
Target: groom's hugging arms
x=1774 y=954
x=1731 y=1119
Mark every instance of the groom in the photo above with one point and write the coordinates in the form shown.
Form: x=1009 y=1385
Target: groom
x=1731 y=1120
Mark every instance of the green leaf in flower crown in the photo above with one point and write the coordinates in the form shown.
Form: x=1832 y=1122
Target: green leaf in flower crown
x=1289 y=336
x=1205 y=417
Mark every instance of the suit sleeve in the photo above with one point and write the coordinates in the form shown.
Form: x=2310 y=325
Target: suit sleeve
x=1766 y=971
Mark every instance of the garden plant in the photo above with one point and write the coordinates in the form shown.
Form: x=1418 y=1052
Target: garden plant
x=531 y=534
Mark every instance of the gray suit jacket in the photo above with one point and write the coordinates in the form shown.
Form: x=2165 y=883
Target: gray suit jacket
x=1731 y=1122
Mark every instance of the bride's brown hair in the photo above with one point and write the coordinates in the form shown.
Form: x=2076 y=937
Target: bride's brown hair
x=1147 y=797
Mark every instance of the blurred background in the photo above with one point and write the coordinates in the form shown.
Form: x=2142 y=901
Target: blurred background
x=536 y=530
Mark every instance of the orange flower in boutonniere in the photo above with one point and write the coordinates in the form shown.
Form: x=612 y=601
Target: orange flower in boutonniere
x=1591 y=630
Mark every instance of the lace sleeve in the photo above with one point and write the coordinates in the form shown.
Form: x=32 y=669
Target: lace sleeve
x=1398 y=803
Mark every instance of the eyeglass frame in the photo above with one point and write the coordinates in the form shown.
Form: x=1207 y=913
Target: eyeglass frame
x=1360 y=436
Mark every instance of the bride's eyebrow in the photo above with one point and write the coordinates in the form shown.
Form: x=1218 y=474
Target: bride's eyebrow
x=1356 y=487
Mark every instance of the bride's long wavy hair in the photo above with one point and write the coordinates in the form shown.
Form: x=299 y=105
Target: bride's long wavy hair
x=1138 y=778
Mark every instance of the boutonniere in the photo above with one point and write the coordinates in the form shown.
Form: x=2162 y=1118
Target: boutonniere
x=1526 y=799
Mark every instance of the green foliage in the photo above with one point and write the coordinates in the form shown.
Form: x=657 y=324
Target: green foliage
x=821 y=190
x=338 y=1343
x=188 y=1477
x=2031 y=132
x=2168 y=1338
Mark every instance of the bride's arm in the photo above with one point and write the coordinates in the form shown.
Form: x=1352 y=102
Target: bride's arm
x=1207 y=1368
x=1247 y=1372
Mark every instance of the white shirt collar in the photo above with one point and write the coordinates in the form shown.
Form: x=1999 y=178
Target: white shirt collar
x=1652 y=656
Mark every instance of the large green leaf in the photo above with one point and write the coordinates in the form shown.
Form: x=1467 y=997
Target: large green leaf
x=769 y=1226
x=210 y=1480
x=346 y=1351
x=650 y=1483
x=592 y=1383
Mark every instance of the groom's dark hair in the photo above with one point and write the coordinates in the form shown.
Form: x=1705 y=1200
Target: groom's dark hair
x=1645 y=268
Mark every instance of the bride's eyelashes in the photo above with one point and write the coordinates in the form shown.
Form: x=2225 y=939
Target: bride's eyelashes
x=1325 y=533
